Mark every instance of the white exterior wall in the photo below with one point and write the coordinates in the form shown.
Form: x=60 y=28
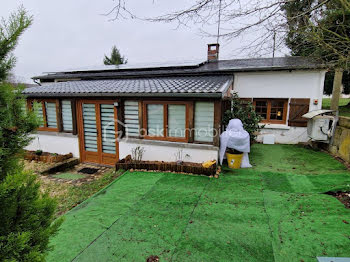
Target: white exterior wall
x=282 y=84
x=55 y=143
x=165 y=151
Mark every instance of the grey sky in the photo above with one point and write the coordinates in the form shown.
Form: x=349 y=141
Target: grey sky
x=72 y=34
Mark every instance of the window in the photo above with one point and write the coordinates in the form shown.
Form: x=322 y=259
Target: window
x=131 y=118
x=53 y=114
x=67 y=116
x=272 y=110
x=204 y=121
x=166 y=120
x=46 y=111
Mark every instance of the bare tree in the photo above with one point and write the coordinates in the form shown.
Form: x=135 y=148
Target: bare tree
x=265 y=23
x=260 y=23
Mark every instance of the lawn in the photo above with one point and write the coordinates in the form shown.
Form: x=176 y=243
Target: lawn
x=275 y=211
x=343 y=109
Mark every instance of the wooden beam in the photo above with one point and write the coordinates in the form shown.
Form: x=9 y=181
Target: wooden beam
x=191 y=122
x=217 y=122
x=74 y=116
x=336 y=93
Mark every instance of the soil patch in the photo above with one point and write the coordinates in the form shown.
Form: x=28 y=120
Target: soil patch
x=88 y=170
x=343 y=197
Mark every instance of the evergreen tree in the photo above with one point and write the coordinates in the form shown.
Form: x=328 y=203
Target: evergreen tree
x=26 y=216
x=115 y=58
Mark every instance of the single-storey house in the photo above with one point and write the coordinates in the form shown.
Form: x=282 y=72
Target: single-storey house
x=171 y=110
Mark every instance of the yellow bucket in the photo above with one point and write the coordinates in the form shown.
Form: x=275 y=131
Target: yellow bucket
x=234 y=160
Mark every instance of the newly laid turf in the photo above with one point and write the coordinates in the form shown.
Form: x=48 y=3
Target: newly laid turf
x=275 y=211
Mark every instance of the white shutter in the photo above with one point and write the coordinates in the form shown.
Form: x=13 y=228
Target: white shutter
x=176 y=120
x=204 y=121
x=131 y=118
x=90 y=130
x=38 y=108
x=155 y=121
x=51 y=115
x=108 y=130
x=67 y=118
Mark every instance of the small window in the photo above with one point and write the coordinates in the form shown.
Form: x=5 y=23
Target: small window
x=46 y=111
x=51 y=114
x=204 y=122
x=166 y=120
x=176 y=120
x=272 y=110
x=131 y=118
x=155 y=120
x=67 y=116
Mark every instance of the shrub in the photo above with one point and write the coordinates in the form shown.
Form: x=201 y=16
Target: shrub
x=26 y=219
x=246 y=113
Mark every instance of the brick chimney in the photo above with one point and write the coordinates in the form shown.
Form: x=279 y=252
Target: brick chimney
x=213 y=52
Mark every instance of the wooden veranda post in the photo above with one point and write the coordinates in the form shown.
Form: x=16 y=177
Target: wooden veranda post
x=337 y=83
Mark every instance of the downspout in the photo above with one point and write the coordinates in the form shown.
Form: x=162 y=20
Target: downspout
x=36 y=82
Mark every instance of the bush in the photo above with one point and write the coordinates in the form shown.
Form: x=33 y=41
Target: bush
x=26 y=219
x=246 y=113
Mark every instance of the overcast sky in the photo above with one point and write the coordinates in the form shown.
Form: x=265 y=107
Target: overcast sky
x=73 y=34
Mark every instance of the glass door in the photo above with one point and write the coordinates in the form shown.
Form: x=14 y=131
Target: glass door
x=97 y=132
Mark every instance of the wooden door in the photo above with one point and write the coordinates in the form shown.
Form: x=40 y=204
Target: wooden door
x=97 y=125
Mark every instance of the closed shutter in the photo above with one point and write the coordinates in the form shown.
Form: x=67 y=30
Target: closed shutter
x=90 y=129
x=131 y=118
x=204 y=121
x=51 y=116
x=155 y=120
x=38 y=107
x=297 y=108
x=108 y=130
x=67 y=115
x=176 y=120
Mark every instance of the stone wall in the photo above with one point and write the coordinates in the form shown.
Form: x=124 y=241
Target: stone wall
x=341 y=141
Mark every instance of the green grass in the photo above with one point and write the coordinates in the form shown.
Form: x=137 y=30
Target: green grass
x=275 y=211
x=69 y=176
x=343 y=109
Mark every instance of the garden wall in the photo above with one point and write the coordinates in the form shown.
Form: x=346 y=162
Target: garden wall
x=341 y=141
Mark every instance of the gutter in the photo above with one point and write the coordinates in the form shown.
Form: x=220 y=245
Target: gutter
x=175 y=73
x=188 y=95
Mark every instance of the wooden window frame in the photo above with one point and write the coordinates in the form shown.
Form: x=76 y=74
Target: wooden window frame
x=59 y=116
x=268 y=113
x=58 y=121
x=165 y=136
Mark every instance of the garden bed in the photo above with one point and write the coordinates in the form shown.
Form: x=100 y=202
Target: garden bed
x=46 y=157
x=184 y=167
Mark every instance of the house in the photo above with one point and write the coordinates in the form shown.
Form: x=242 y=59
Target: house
x=101 y=114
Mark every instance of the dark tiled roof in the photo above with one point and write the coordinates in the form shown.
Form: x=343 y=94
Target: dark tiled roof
x=219 y=67
x=191 y=86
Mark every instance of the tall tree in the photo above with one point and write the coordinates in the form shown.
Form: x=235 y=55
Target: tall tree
x=115 y=58
x=26 y=216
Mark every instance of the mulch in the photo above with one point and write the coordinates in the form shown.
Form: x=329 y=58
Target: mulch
x=343 y=197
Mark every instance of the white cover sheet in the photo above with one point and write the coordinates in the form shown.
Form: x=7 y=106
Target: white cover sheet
x=237 y=138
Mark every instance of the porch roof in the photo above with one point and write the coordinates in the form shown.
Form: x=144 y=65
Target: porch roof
x=185 y=86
